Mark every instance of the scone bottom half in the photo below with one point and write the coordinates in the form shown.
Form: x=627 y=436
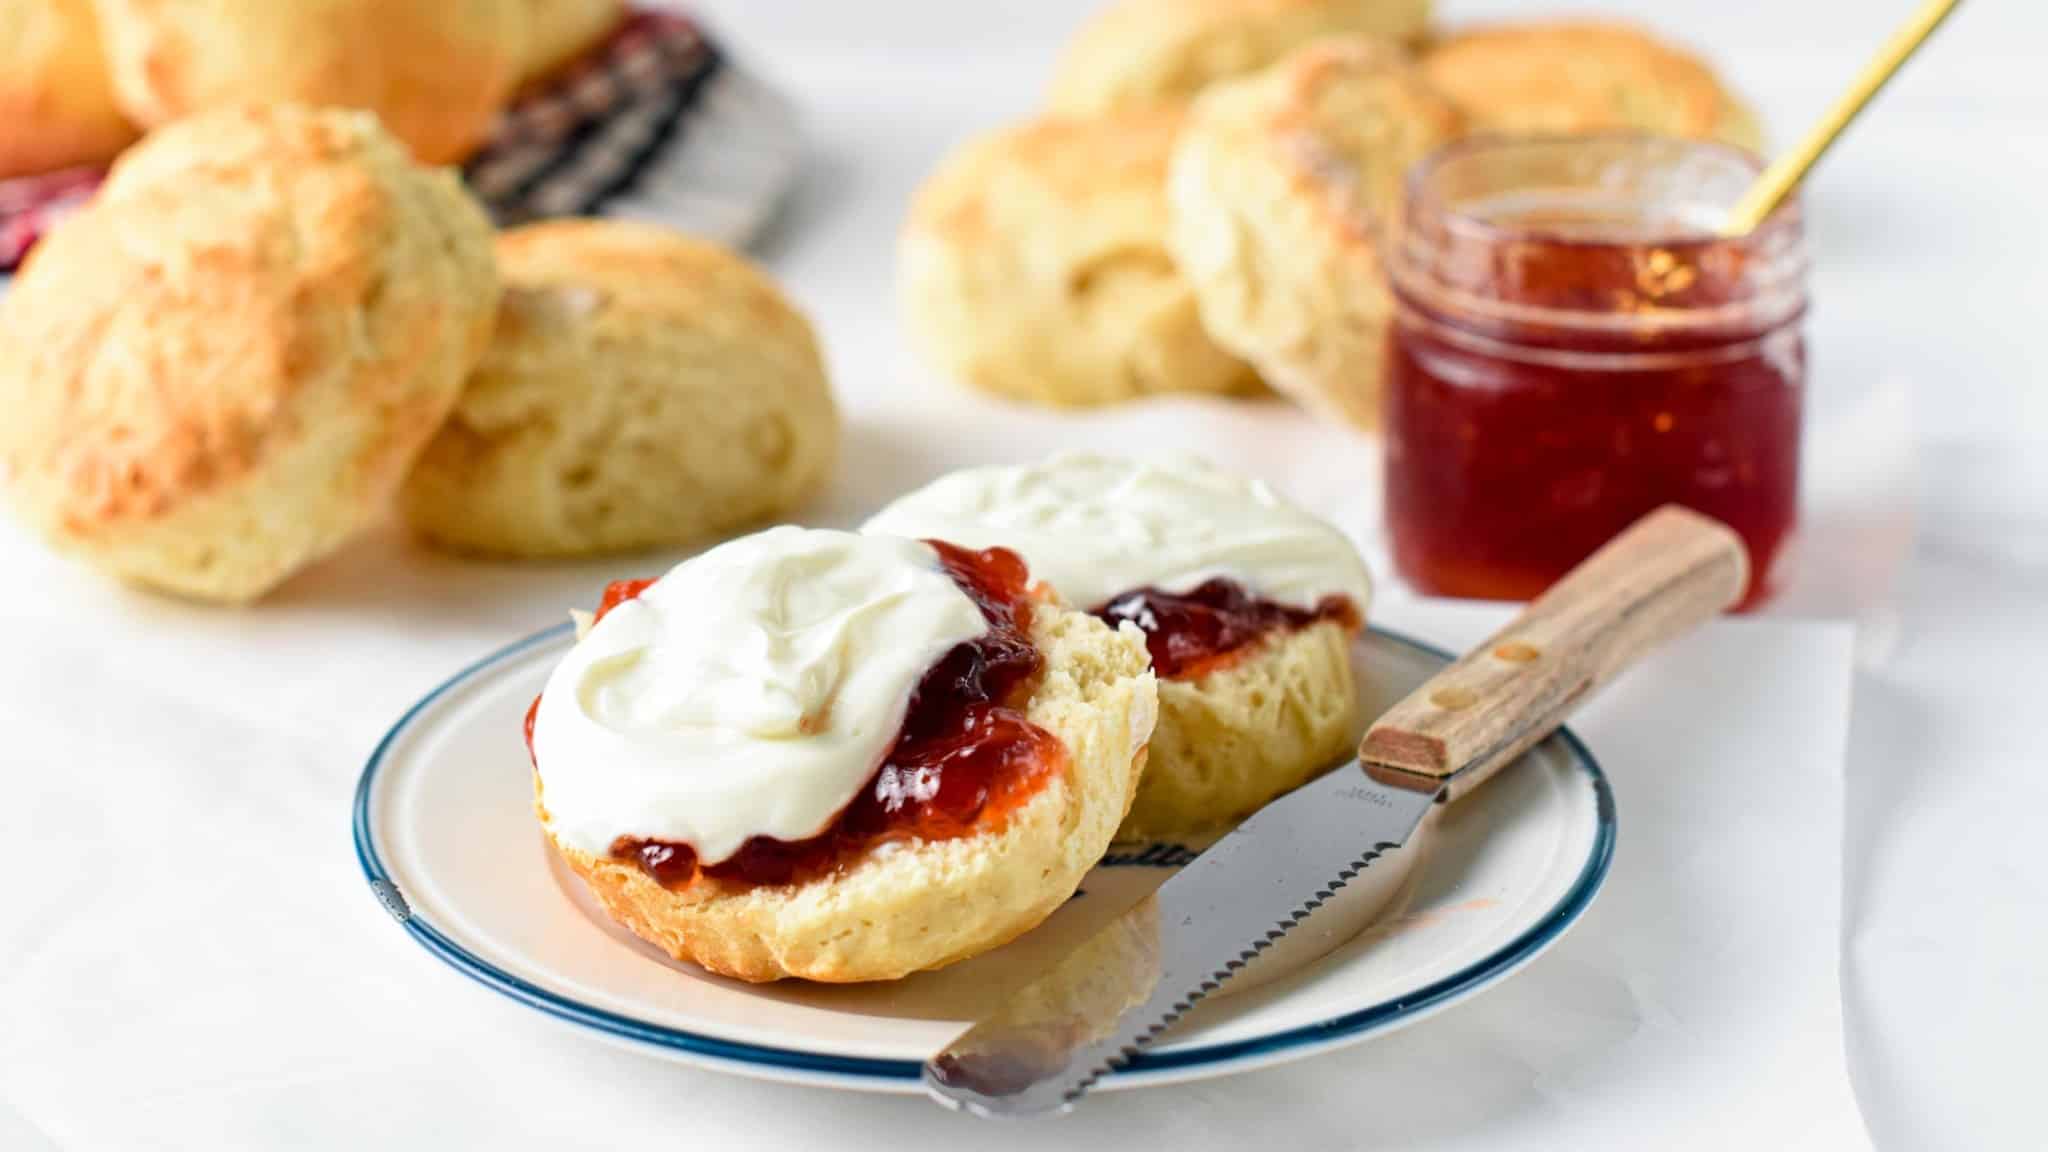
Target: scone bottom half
x=1248 y=605
x=1256 y=698
x=1018 y=757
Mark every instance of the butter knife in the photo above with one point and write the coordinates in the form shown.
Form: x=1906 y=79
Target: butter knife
x=1116 y=993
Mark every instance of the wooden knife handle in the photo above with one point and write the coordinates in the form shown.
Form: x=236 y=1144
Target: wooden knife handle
x=1667 y=573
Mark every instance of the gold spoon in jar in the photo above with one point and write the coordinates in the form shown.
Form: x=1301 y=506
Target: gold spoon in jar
x=1785 y=173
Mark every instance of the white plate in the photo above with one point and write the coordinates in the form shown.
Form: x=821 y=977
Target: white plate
x=445 y=832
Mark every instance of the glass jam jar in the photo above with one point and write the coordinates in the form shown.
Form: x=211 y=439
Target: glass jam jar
x=1574 y=346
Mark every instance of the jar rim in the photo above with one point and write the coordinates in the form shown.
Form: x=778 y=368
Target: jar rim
x=1448 y=258
x=1787 y=216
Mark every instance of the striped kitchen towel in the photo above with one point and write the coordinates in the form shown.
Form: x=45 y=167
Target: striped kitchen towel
x=30 y=204
x=654 y=123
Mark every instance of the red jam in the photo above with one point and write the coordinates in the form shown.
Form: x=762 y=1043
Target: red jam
x=966 y=756
x=1193 y=633
x=615 y=593
x=618 y=592
x=1569 y=354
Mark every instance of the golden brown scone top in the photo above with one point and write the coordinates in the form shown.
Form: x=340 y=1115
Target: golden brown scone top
x=558 y=31
x=1033 y=265
x=190 y=309
x=56 y=104
x=643 y=389
x=1585 y=76
x=645 y=270
x=1069 y=159
x=249 y=290
x=1139 y=52
x=1349 y=117
x=1280 y=189
x=435 y=71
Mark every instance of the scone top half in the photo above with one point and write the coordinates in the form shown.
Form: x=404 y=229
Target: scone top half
x=1247 y=602
x=838 y=757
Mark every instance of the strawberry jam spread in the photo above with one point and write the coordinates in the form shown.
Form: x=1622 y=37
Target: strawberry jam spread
x=1212 y=625
x=1574 y=345
x=965 y=757
x=618 y=592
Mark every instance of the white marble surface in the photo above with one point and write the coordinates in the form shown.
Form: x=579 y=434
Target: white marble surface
x=141 y=996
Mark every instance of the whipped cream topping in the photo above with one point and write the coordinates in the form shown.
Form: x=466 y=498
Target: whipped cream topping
x=752 y=691
x=1095 y=527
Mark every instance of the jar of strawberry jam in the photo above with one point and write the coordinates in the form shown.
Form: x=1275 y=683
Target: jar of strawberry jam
x=1573 y=346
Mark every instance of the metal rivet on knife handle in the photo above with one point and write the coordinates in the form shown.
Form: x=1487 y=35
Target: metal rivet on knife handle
x=1453 y=698
x=1665 y=574
x=1518 y=653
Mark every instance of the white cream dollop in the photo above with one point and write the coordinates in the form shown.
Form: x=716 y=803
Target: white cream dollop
x=752 y=691
x=1095 y=527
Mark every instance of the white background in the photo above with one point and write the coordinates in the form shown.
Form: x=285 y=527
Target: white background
x=1930 y=401
x=1928 y=525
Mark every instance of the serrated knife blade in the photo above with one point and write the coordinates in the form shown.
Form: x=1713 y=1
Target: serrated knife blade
x=1202 y=925
x=1122 y=988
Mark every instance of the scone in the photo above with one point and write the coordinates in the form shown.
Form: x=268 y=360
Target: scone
x=558 y=31
x=1141 y=52
x=1574 y=77
x=643 y=389
x=1279 y=189
x=1034 y=266
x=222 y=367
x=1247 y=603
x=1258 y=721
x=838 y=757
x=434 y=72
x=55 y=98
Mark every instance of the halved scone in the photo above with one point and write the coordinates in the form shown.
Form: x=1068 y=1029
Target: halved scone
x=1245 y=732
x=1247 y=604
x=885 y=891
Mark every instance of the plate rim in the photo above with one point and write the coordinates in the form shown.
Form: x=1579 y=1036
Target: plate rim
x=902 y=1074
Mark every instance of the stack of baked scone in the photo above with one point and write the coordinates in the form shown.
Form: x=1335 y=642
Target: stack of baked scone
x=1199 y=208
x=271 y=322
x=80 y=78
x=845 y=757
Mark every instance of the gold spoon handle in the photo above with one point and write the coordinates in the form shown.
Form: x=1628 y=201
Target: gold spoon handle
x=1785 y=173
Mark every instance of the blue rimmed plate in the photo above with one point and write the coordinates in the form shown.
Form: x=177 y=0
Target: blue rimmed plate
x=445 y=833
